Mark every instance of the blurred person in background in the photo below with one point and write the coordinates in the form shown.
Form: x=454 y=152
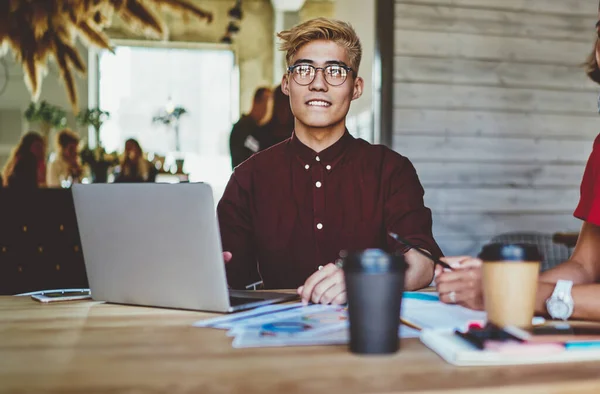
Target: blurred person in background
x=65 y=167
x=26 y=165
x=134 y=167
x=281 y=125
x=247 y=136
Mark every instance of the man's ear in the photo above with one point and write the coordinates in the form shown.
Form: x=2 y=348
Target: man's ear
x=285 y=84
x=358 y=88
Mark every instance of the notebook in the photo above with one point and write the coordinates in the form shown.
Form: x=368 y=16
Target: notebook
x=457 y=351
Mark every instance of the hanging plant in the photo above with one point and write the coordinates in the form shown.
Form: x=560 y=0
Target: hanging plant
x=36 y=30
x=44 y=112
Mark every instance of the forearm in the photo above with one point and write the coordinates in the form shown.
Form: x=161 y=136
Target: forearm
x=584 y=265
x=571 y=270
x=419 y=273
x=585 y=299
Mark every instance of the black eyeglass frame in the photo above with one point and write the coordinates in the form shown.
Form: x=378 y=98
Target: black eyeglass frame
x=291 y=69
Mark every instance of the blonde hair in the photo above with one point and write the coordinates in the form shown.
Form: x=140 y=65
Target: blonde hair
x=341 y=33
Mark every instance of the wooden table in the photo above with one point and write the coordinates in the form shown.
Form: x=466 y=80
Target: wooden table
x=90 y=347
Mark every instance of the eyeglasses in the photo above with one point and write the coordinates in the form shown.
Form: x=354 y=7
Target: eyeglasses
x=304 y=74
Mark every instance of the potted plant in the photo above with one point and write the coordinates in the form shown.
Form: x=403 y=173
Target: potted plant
x=97 y=159
x=99 y=162
x=94 y=117
x=48 y=116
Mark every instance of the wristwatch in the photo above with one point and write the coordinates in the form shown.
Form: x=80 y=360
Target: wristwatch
x=560 y=303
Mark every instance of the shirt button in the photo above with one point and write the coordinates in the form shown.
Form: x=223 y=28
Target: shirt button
x=328 y=167
x=318 y=184
x=319 y=226
x=307 y=166
x=317 y=158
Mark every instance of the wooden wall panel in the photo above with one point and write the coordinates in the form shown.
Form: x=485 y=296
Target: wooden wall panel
x=495 y=124
x=560 y=7
x=440 y=149
x=491 y=21
x=494 y=109
x=501 y=49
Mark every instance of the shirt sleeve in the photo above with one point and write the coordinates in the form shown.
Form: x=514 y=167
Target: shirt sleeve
x=588 y=208
x=405 y=211
x=235 y=223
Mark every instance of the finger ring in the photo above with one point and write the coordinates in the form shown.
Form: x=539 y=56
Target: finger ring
x=452 y=296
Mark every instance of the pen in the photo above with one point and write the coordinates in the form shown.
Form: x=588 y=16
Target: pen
x=419 y=250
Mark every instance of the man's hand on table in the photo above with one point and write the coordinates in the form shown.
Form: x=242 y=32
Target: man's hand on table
x=325 y=286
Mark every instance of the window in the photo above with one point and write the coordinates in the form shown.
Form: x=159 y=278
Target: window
x=138 y=83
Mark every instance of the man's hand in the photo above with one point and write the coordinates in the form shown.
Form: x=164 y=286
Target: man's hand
x=227 y=257
x=463 y=285
x=326 y=286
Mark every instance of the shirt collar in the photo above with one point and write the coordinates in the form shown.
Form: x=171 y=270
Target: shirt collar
x=327 y=157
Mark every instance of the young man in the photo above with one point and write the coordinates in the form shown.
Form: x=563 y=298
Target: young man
x=247 y=137
x=288 y=211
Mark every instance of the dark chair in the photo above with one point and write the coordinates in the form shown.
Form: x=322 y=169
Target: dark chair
x=568 y=239
x=39 y=242
x=553 y=253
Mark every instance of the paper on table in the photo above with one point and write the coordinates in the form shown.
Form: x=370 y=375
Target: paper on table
x=423 y=311
x=320 y=318
x=309 y=320
x=244 y=318
x=437 y=315
x=420 y=309
x=253 y=338
x=276 y=311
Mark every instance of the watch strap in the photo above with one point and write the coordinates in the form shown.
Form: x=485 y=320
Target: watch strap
x=562 y=286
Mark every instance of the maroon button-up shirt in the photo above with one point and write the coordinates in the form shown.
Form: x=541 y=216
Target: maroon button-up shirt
x=288 y=209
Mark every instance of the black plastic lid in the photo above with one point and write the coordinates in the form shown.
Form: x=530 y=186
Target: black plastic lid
x=510 y=252
x=372 y=261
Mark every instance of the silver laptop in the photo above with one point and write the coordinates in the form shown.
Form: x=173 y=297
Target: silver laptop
x=157 y=245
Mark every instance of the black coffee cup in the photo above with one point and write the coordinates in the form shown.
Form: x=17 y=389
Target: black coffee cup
x=374 y=285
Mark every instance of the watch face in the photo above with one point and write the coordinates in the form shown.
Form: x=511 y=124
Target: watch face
x=557 y=308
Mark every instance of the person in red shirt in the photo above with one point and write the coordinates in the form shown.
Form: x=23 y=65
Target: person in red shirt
x=288 y=211
x=580 y=274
